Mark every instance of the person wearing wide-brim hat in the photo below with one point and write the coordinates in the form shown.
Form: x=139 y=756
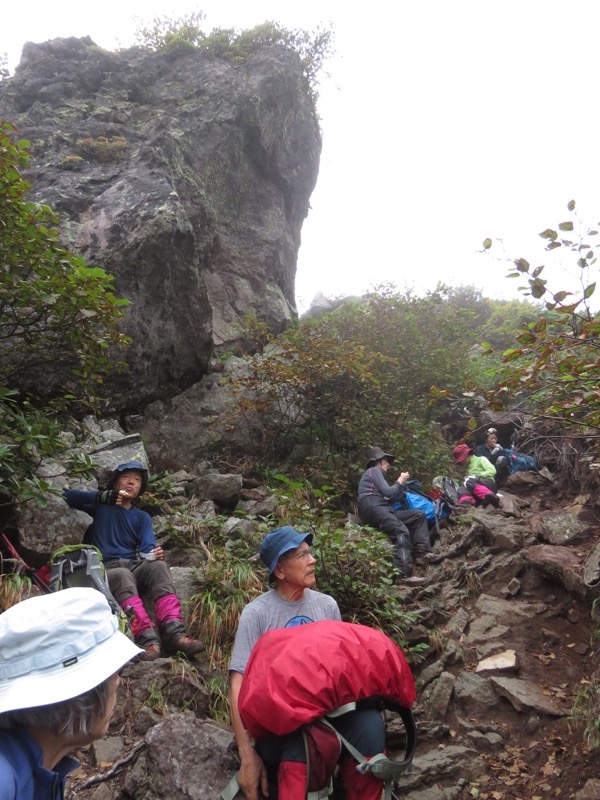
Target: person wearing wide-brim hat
x=407 y=528
x=60 y=656
x=376 y=454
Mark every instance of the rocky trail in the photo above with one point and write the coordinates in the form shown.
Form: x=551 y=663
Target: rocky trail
x=511 y=649
x=513 y=633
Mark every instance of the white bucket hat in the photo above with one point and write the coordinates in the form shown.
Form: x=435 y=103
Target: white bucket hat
x=57 y=646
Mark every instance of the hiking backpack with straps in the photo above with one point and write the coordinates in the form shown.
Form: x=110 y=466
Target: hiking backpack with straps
x=450 y=490
x=80 y=565
x=300 y=677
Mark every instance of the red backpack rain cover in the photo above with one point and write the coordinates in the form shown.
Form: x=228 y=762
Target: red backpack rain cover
x=296 y=675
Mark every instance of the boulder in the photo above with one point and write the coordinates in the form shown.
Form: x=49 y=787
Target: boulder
x=184 y=759
x=224 y=490
x=53 y=526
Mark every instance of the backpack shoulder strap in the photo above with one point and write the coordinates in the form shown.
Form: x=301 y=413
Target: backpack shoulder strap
x=380 y=766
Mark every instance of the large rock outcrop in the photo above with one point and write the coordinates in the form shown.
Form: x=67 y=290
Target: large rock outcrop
x=186 y=177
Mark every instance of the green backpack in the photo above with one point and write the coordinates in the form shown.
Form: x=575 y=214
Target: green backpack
x=80 y=565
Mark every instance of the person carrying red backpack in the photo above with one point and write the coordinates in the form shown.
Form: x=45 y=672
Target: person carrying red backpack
x=293 y=602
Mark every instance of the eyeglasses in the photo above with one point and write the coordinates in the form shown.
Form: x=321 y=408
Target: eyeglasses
x=301 y=555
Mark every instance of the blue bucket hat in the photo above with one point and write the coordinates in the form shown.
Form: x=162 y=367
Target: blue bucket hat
x=130 y=465
x=281 y=541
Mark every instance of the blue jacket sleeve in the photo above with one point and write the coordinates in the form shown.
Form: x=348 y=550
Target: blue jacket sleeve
x=147 y=539
x=83 y=501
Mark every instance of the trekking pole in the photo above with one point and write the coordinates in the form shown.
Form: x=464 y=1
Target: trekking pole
x=29 y=571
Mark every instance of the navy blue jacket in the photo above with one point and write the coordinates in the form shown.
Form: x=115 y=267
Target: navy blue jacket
x=116 y=531
x=22 y=776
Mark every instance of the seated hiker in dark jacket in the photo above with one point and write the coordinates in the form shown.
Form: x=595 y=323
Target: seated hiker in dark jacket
x=134 y=563
x=407 y=528
x=494 y=453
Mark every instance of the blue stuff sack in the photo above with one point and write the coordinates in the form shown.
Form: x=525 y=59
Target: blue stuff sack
x=434 y=510
x=421 y=503
x=519 y=462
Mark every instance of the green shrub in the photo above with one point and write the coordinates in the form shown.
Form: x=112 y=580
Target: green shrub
x=326 y=390
x=101 y=148
x=72 y=162
x=166 y=33
x=58 y=325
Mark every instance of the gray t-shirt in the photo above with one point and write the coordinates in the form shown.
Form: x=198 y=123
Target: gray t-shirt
x=270 y=611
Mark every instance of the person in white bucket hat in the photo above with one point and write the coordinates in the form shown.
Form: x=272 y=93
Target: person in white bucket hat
x=60 y=655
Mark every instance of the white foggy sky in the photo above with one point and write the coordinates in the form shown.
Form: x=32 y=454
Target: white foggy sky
x=443 y=123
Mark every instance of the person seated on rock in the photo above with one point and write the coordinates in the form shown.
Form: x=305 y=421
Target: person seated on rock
x=407 y=528
x=135 y=565
x=494 y=453
x=479 y=475
x=59 y=671
x=291 y=602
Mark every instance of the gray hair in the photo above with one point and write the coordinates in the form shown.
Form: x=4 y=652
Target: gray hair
x=68 y=718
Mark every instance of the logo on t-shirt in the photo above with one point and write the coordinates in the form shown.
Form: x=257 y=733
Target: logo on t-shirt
x=295 y=621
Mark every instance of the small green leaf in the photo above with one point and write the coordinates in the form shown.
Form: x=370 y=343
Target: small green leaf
x=571 y=205
x=565 y=226
x=549 y=234
x=538 y=289
x=589 y=290
x=522 y=265
x=487 y=243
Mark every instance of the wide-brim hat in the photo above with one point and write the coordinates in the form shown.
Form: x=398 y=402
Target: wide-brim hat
x=375 y=454
x=279 y=542
x=461 y=452
x=58 y=646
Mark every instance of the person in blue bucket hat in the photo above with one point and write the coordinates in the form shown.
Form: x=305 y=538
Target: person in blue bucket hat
x=290 y=602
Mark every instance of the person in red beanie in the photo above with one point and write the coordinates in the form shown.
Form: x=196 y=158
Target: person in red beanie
x=480 y=475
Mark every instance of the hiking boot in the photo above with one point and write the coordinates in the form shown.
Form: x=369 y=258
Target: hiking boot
x=414 y=580
x=176 y=640
x=148 y=641
x=185 y=644
x=151 y=652
x=426 y=558
x=490 y=500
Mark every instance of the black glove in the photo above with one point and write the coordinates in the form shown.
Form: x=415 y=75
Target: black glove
x=109 y=497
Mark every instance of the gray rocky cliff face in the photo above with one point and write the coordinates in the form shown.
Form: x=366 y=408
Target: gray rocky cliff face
x=187 y=178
